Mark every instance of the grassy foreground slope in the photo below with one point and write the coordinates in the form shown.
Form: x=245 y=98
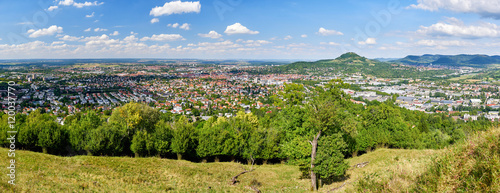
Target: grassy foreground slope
x=37 y=172
x=469 y=166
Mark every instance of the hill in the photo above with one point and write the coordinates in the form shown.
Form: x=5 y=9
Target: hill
x=462 y=60
x=351 y=63
x=37 y=172
x=469 y=166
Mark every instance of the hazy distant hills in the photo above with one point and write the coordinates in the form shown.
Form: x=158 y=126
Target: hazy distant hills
x=480 y=61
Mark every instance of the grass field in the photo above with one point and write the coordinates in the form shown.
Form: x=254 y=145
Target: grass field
x=37 y=172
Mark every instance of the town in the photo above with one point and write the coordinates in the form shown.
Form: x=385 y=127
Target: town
x=202 y=91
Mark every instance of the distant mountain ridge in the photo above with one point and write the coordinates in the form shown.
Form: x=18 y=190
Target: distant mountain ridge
x=352 y=63
x=462 y=60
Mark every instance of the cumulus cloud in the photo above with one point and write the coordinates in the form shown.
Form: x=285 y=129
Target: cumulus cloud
x=173 y=25
x=155 y=20
x=303 y=36
x=100 y=29
x=176 y=7
x=130 y=38
x=456 y=28
x=52 y=8
x=115 y=33
x=66 y=2
x=485 y=8
x=89 y=16
x=368 y=41
x=45 y=32
x=433 y=43
x=185 y=26
x=253 y=43
x=288 y=37
x=79 y=5
x=163 y=37
x=237 y=28
x=326 y=32
x=330 y=43
x=211 y=34
x=87 y=30
x=69 y=38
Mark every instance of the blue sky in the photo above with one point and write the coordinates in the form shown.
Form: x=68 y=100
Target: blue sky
x=244 y=29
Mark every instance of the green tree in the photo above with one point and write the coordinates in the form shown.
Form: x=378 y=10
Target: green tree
x=183 y=140
x=143 y=144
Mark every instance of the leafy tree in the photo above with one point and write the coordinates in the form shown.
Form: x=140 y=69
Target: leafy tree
x=105 y=140
x=162 y=137
x=330 y=163
x=143 y=144
x=79 y=128
x=50 y=136
x=183 y=140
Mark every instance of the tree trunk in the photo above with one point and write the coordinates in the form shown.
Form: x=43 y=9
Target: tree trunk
x=44 y=150
x=314 y=145
x=179 y=156
x=137 y=155
x=264 y=162
x=89 y=153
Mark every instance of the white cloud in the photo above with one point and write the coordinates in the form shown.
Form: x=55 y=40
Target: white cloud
x=100 y=29
x=175 y=25
x=87 y=4
x=69 y=38
x=211 y=34
x=25 y=23
x=176 y=7
x=330 y=43
x=66 y=2
x=131 y=38
x=326 y=32
x=87 y=30
x=52 y=8
x=485 y=8
x=455 y=27
x=433 y=43
x=303 y=36
x=155 y=20
x=79 y=5
x=237 y=28
x=253 y=43
x=185 y=26
x=115 y=33
x=89 y=16
x=288 y=37
x=0 y=39
x=163 y=37
x=45 y=32
x=368 y=41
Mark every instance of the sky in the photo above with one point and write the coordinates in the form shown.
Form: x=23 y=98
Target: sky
x=246 y=29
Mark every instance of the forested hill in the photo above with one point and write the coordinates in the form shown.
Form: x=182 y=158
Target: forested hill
x=480 y=61
x=350 y=63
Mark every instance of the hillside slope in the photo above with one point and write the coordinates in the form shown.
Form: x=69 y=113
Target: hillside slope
x=37 y=172
x=351 y=63
x=469 y=166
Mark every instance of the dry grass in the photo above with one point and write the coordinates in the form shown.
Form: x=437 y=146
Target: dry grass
x=461 y=167
x=38 y=172
x=395 y=169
